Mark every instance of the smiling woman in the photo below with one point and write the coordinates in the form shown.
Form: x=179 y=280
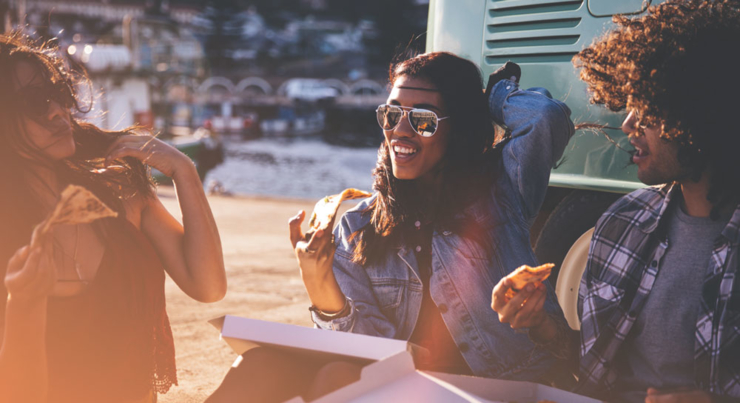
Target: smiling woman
x=82 y=310
x=418 y=260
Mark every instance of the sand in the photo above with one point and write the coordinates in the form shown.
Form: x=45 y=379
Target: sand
x=263 y=283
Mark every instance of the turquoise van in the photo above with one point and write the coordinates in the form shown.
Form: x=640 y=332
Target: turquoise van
x=542 y=36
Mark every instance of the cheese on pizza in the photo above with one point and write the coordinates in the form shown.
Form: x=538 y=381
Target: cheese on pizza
x=76 y=205
x=326 y=209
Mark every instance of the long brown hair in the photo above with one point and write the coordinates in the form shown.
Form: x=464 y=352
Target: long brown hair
x=466 y=168
x=20 y=207
x=676 y=67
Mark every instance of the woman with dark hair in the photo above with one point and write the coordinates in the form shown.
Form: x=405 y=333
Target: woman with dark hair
x=84 y=319
x=418 y=260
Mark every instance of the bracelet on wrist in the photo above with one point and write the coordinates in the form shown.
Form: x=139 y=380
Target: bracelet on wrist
x=328 y=316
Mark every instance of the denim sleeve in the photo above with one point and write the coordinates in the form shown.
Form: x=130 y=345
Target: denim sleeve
x=365 y=316
x=540 y=129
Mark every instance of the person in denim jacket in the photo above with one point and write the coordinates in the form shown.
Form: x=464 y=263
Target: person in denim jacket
x=450 y=217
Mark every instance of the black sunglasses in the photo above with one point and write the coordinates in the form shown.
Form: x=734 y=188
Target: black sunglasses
x=35 y=101
x=423 y=121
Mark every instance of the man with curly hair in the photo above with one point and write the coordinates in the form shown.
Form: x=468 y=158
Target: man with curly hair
x=660 y=299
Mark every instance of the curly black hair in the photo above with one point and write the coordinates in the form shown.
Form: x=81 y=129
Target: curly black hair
x=677 y=68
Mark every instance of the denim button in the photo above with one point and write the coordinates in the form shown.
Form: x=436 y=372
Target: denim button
x=508 y=87
x=442 y=308
x=464 y=347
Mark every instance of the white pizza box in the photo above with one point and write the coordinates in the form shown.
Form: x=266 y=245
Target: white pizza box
x=388 y=373
x=243 y=334
x=384 y=382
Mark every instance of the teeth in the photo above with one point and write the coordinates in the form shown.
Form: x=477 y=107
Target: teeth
x=403 y=150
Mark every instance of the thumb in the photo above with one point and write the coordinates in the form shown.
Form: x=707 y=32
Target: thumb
x=19 y=259
x=295 y=228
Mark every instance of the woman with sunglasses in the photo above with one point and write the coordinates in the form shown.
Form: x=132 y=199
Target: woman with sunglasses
x=83 y=313
x=418 y=260
x=450 y=217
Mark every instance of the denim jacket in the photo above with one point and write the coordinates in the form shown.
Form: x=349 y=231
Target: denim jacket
x=386 y=298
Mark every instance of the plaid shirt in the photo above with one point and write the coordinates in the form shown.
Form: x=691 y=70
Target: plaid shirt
x=623 y=262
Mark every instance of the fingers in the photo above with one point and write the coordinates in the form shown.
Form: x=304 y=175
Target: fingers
x=679 y=395
x=18 y=259
x=498 y=300
x=123 y=152
x=139 y=147
x=531 y=309
x=22 y=280
x=295 y=228
x=130 y=140
x=509 y=311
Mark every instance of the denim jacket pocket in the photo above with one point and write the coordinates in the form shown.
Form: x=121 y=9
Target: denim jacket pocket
x=389 y=294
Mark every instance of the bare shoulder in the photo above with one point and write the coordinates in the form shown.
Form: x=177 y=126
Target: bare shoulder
x=136 y=206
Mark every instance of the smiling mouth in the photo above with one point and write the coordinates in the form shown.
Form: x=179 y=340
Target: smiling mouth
x=404 y=151
x=640 y=152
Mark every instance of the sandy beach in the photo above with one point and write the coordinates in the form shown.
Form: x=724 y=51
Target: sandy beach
x=264 y=283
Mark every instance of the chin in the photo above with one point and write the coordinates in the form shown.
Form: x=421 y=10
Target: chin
x=61 y=151
x=652 y=179
x=404 y=174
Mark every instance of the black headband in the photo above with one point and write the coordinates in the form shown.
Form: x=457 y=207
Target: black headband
x=418 y=88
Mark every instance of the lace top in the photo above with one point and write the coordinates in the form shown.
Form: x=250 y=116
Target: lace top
x=113 y=341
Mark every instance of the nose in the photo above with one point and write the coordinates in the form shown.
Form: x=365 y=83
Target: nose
x=629 y=125
x=404 y=127
x=56 y=111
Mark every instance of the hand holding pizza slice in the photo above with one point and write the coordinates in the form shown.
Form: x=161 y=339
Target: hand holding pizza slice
x=326 y=209
x=31 y=272
x=524 y=275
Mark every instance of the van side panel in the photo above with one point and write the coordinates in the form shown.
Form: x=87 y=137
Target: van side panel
x=542 y=36
x=455 y=26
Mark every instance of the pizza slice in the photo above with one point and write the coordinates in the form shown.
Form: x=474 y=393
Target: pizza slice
x=76 y=205
x=326 y=209
x=524 y=275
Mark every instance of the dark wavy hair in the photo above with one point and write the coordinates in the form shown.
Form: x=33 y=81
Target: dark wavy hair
x=466 y=168
x=677 y=68
x=20 y=207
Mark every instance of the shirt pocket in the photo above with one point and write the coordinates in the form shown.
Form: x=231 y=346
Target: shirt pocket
x=389 y=295
x=601 y=302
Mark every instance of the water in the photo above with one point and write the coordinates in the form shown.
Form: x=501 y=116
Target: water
x=305 y=168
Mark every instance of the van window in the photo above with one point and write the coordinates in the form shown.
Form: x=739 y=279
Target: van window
x=606 y=8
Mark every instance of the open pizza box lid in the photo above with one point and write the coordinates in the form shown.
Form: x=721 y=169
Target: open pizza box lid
x=388 y=373
x=242 y=334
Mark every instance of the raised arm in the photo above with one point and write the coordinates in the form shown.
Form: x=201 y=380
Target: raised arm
x=191 y=252
x=540 y=129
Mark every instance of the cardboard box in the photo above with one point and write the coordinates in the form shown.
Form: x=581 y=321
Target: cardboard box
x=388 y=373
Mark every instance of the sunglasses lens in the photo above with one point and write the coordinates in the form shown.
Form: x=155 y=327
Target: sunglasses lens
x=423 y=122
x=389 y=116
x=35 y=101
